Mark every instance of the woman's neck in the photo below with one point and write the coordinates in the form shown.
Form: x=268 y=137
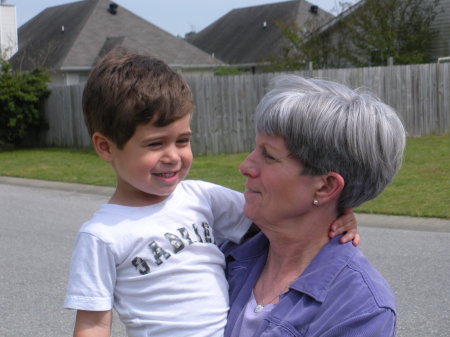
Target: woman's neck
x=293 y=247
x=292 y=257
x=286 y=261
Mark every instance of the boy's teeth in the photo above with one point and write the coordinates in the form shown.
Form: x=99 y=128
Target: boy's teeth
x=165 y=175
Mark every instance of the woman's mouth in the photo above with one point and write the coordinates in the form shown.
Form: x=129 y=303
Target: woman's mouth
x=249 y=190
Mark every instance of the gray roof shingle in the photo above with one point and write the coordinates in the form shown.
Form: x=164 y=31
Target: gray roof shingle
x=251 y=35
x=72 y=36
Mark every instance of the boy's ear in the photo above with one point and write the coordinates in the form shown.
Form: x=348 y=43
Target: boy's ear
x=331 y=187
x=102 y=145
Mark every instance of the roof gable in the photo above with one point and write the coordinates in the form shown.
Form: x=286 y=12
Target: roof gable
x=45 y=40
x=251 y=35
x=72 y=36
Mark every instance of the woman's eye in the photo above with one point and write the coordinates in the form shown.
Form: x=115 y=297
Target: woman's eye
x=267 y=155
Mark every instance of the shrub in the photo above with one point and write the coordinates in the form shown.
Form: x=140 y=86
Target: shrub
x=21 y=96
x=227 y=71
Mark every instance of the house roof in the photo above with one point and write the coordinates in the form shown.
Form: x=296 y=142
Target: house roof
x=348 y=11
x=250 y=35
x=72 y=36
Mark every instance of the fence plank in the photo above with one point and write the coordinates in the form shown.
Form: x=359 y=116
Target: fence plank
x=223 y=120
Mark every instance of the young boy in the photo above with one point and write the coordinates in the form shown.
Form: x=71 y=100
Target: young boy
x=150 y=252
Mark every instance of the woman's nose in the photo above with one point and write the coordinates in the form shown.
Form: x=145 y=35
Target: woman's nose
x=247 y=167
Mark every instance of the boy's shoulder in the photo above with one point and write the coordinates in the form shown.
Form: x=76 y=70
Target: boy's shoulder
x=192 y=184
x=203 y=187
x=203 y=191
x=106 y=216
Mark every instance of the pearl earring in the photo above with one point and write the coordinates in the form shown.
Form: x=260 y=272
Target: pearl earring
x=316 y=202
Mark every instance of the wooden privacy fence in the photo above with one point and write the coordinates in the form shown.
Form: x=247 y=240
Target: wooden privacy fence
x=65 y=118
x=224 y=106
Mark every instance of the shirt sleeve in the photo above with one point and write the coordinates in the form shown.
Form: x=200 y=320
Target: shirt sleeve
x=92 y=275
x=380 y=323
x=227 y=207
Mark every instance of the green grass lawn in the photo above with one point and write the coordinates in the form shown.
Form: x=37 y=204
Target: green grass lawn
x=422 y=187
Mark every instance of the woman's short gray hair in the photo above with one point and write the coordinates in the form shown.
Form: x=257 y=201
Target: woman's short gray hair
x=329 y=127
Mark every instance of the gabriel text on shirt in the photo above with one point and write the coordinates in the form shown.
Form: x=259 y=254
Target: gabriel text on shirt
x=177 y=243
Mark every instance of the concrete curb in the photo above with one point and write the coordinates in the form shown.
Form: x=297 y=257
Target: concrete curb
x=54 y=185
x=404 y=222
x=369 y=220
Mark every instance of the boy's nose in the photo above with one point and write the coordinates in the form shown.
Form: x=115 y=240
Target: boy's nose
x=170 y=155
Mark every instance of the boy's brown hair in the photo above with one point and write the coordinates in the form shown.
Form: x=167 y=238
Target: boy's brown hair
x=127 y=89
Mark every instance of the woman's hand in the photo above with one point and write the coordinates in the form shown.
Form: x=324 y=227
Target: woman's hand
x=347 y=224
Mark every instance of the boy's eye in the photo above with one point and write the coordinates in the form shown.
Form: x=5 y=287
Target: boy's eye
x=155 y=144
x=184 y=140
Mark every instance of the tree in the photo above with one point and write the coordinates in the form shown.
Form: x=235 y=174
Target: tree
x=365 y=34
x=295 y=55
x=21 y=95
x=379 y=29
x=303 y=46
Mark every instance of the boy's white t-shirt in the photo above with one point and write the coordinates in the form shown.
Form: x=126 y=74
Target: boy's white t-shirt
x=158 y=265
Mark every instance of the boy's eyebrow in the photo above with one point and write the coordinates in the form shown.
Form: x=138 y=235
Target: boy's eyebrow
x=187 y=133
x=157 y=137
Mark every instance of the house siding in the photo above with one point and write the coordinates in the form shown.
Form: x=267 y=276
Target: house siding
x=440 y=46
x=8 y=30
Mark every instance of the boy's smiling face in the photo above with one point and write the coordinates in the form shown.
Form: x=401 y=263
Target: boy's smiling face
x=152 y=163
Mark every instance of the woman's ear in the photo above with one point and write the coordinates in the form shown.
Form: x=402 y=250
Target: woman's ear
x=331 y=187
x=102 y=145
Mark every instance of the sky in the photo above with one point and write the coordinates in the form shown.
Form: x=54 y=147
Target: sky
x=177 y=17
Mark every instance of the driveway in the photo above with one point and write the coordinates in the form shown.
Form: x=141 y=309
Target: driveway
x=39 y=220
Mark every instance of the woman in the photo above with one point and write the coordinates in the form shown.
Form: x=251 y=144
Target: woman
x=320 y=147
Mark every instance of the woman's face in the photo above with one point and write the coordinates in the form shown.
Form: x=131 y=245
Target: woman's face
x=275 y=191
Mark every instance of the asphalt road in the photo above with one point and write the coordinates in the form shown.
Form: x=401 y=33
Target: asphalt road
x=38 y=222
